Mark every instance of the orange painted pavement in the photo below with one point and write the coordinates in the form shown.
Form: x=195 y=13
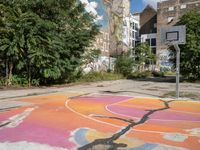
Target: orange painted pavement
x=68 y=120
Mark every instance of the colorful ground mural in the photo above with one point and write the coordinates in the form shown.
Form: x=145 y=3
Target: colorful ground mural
x=78 y=121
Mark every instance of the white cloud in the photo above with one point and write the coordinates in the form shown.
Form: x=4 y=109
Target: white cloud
x=152 y=2
x=91 y=8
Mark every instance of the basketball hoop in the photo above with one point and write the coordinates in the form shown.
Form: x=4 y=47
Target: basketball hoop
x=174 y=36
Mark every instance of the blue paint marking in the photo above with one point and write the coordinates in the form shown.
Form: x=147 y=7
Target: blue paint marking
x=80 y=136
x=146 y=146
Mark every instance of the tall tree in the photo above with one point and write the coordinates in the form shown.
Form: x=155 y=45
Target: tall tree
x=143 y=55
x=190 y=52
x=50 y=36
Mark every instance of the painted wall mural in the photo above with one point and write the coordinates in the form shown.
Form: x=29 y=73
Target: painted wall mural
x=109 y=14
x=71 y=121
x=103 y=63
x=165 y=63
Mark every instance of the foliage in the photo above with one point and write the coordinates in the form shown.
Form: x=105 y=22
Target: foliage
x=124 y=64
x=170 y=73
x=145 y=74
x=44 y=39
x=143 y=55
x=138 y=74
x=190 y=52
x=99 y=76
x=158 y=74
x=91 y=55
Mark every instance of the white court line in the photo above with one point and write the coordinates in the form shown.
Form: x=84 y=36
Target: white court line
x=102 y=122
x=146 y=107
x=167 y=110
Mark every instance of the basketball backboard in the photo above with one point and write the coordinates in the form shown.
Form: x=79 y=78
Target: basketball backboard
x=173 y=35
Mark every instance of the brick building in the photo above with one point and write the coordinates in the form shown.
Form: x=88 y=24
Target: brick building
x=168 y=14
x=148 y=27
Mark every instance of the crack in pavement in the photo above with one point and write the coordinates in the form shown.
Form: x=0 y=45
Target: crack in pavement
x=116 y=118
x=8 y=108
x=109 y=142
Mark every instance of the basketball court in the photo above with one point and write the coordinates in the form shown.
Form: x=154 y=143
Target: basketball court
x=84 y=121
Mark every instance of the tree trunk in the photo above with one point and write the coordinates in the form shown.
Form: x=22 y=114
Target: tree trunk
x=10 y=73
x=29 y=75
x=6 y=64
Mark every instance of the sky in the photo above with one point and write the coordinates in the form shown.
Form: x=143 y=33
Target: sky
x=138 y=5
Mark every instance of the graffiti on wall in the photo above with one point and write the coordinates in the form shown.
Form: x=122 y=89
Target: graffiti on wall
x=165 y=63
x=109 y=14
x=103 y=63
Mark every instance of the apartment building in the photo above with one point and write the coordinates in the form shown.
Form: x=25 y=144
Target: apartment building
x=110 y=15
x=168 y=14
x=131 y=28
x=148 y=27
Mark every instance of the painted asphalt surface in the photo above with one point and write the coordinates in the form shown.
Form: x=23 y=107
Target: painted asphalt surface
x=71 y=121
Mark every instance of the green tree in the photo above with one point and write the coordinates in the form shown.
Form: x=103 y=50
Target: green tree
x=190 y=52
x=124 y=64
x=44 y=39
x=143 y=55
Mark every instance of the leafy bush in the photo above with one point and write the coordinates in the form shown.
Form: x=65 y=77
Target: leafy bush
x=2 y=81
x=99 y=76
x=158 y=74
x=169 y=73
x=35 y=82
x=19 y=81
x=124 y=65
x=137 y=74
x=190 y=52
x=23 y=81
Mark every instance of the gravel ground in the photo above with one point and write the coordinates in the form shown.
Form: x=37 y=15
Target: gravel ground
x=119 y=87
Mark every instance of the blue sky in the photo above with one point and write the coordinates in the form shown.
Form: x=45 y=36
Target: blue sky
x=136 y=6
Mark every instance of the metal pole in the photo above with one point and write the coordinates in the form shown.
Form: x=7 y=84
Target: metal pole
x=177 y=70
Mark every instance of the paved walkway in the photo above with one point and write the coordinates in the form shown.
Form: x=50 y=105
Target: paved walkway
x=81 y=120
x=120 y=87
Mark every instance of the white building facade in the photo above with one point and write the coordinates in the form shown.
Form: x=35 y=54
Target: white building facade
x=131 y=28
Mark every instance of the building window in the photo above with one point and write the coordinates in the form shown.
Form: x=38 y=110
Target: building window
x=133 y=26
x=133 y=34
x=153 y=42
x=108 y=38
x=148 y=41
x=136 y=27
x=104 y=46
x=170 y=8
x=183 y=6
x=107 y=47
x=170 y=19
x=137 y=35
x=133 y=43
x=155 y=25
x=153 y=50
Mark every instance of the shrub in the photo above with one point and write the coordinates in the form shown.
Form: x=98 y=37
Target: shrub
x=99 y=76
x=137 y=74
x=124 y=65
x=157 y=74
x=2 y=81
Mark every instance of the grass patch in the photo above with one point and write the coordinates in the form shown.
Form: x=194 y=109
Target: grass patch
x=170 y=73
x=100 y=76
x=182 y=94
